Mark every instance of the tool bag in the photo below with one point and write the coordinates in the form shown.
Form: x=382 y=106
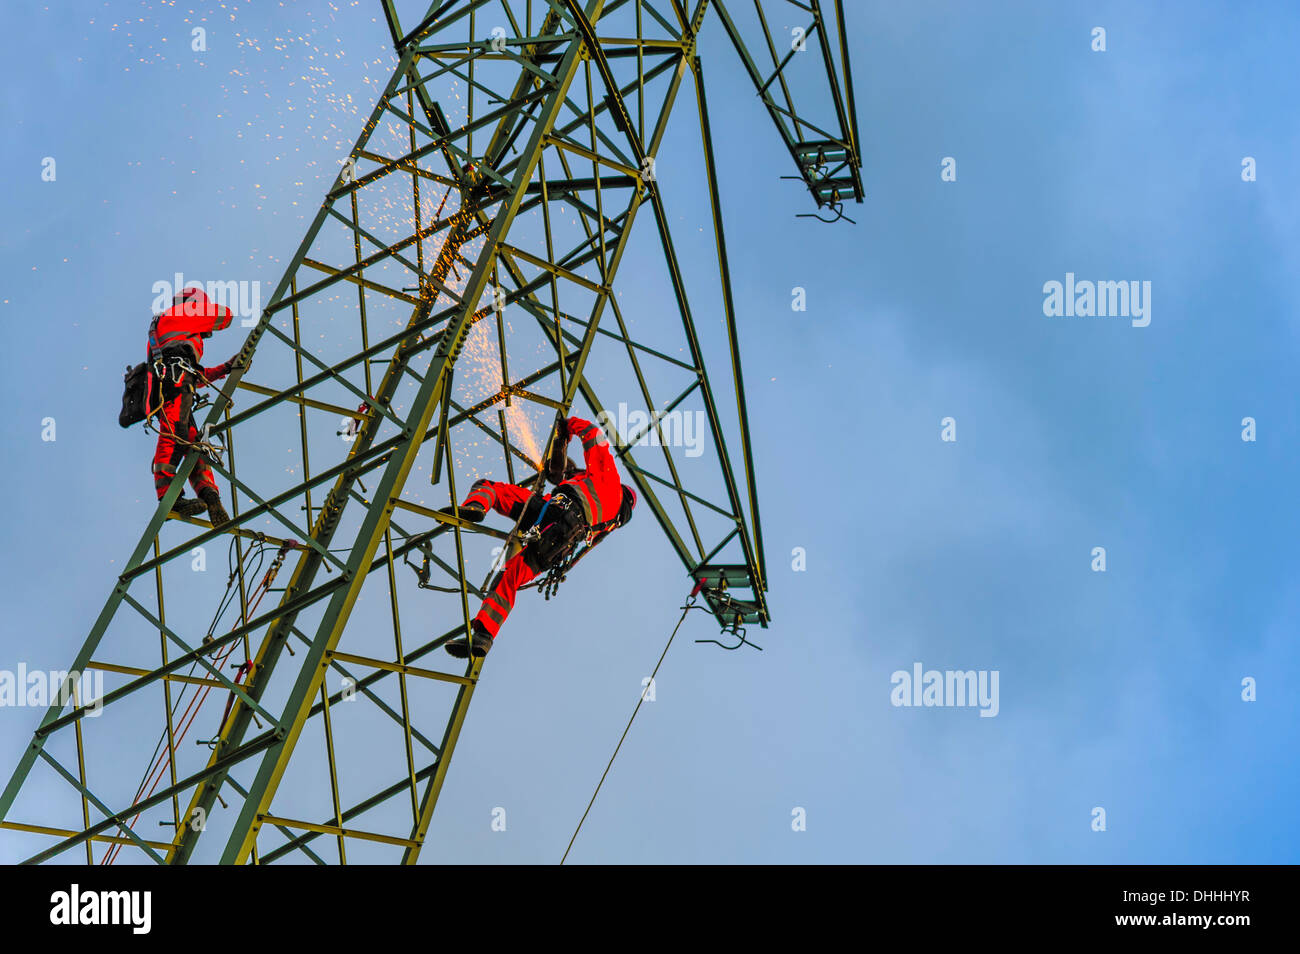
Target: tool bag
x=135 y=383
x=170 y=368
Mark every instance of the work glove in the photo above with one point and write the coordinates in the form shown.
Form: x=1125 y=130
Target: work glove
x=554 y=464
x=558 y=470
x=214 y=373
x=557 y=456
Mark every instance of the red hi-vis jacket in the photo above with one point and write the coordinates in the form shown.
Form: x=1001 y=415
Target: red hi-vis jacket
x=597 y=485
x=186 y=322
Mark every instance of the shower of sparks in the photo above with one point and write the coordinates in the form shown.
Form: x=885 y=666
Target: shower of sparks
x=480 y=362
x=278 y=90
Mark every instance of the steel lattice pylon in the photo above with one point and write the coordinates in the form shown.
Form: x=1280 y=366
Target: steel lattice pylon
x=450 y=297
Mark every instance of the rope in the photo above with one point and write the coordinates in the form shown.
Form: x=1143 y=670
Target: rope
x=690 y=605
x=227 y=599
x=155 y=773
x=206 y=448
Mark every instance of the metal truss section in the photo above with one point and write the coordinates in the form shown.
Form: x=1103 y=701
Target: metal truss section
x=456 y=292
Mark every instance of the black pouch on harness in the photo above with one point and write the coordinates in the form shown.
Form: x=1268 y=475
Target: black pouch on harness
x=134 y=382
x=557 y=539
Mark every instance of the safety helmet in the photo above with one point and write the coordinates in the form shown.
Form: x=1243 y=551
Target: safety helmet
x=188 y=300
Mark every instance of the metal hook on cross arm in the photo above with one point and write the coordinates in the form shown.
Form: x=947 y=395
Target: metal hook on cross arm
x=722 y=604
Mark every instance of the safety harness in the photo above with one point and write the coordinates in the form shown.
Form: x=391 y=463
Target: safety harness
x=567 y=546
x=168 y=364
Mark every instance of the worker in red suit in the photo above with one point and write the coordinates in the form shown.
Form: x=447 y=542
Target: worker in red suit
x=175 y=369
x=587 y=504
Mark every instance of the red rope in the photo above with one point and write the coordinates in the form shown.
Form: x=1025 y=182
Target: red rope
x=154 y=775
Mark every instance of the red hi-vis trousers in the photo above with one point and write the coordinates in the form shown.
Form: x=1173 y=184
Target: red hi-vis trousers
x=501 y=598
x=169 y=452
x=505 y=499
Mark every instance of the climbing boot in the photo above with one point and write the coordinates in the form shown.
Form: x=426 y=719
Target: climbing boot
x=473 y=513
x=460 y=648
x=216 y=513
x=188 y=507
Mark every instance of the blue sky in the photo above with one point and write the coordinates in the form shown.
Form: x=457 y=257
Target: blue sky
x=1119 y=690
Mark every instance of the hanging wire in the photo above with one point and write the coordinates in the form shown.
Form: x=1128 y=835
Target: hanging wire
x=251 y=564
x=690 y=605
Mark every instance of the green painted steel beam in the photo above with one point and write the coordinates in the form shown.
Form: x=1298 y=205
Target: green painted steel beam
x=544 y=125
